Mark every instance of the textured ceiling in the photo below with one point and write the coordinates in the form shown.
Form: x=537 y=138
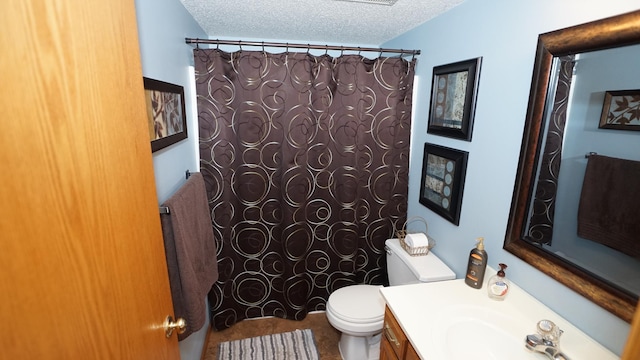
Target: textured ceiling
x=318 y=21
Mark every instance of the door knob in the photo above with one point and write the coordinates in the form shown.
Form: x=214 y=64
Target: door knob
x=169 y=325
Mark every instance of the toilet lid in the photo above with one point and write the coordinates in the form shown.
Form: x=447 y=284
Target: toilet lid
x=357 y=303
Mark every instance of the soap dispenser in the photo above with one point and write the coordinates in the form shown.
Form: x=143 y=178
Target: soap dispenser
x=477 y=265
x=498 y=285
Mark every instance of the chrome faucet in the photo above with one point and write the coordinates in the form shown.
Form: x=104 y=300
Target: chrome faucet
x=546 y=340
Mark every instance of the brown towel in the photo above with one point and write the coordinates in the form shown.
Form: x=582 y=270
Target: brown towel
x=610 y=204
x=191 y=252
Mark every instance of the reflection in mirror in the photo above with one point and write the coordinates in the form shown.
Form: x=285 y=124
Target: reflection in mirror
x=591 y=249
x=582 y=80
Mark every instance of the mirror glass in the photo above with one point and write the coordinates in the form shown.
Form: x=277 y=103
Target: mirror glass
x=549 y=225
x=593 y=74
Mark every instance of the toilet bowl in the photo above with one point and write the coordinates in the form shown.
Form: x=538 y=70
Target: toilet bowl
x=357 y=311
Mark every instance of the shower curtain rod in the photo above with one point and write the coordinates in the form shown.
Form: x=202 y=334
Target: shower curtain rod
x=264 y=44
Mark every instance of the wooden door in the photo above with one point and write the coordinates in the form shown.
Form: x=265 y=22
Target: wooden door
x=83 y=272
x=632 y=347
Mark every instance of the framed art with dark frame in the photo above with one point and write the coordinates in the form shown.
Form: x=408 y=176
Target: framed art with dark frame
x=442 y=184
x=621 y=110
x=166 y=114
x=453 y=99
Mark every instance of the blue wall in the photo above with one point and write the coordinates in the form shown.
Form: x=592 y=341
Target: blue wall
x=504 y=33
x=162 y=27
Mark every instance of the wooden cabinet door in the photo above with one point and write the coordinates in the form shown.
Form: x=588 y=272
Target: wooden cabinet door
x=394 y=335
x=386 y=350
x=410 y=353
x=83 y=268
x=394 y=343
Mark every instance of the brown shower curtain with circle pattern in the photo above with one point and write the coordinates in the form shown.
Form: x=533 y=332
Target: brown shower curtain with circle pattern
x=542 y=215
x=306 y=163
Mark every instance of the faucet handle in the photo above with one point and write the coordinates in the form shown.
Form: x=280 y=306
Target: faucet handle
x=550 y=332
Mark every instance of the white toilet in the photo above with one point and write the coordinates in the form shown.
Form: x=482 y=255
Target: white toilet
x=357 y=311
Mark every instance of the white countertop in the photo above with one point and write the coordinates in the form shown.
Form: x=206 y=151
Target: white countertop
x=435 y=317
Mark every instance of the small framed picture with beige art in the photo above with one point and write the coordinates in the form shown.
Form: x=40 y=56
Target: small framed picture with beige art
x=166 y=115
x=621 y=110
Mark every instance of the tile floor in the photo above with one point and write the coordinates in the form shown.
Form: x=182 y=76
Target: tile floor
x=326 y=336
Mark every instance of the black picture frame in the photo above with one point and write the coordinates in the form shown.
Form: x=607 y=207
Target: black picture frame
x=442 y=184
x=453 y=99
x=620 y=110
x=166 y=115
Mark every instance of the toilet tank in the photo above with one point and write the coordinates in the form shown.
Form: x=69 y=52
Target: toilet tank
x=403 y=268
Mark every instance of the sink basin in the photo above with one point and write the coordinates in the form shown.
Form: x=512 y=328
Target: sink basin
x=470 y=331
x=481 y=338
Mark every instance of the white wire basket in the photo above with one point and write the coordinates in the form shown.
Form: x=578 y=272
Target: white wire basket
x=418 y=250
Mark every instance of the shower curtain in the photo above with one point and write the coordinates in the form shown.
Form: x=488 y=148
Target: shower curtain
x=541 y=220
x=306 y=164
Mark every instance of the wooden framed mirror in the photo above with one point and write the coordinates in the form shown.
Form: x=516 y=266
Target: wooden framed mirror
x=552 y=49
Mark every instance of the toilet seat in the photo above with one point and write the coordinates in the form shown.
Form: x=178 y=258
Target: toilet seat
x=357 y=304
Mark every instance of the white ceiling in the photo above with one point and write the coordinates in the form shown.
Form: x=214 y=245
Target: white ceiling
x=317 y=21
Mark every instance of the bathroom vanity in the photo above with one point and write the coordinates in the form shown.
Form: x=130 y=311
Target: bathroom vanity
x=449 y=320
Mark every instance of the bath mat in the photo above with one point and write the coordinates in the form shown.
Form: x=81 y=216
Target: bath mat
x=293 y=345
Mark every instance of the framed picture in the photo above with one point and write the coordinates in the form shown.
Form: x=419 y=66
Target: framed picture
x=453 y=99
x=442 y=184
x=166 y=114
x=621 y=110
